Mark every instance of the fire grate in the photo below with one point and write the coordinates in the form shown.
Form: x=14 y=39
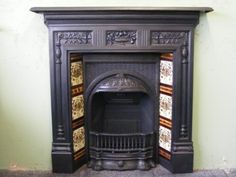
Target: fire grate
x=128 y=144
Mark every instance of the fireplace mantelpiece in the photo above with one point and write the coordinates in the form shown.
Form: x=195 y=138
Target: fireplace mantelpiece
x=129 y=56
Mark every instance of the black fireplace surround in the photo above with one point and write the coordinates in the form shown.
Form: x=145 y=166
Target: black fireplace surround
x=121 y=87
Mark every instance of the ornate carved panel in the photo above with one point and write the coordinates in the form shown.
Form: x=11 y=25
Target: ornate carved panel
x=168 y=37
x=75 y=37
x=121 y=81
x=122 y=37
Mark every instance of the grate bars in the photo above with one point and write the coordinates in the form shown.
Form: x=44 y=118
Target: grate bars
x=123 y=143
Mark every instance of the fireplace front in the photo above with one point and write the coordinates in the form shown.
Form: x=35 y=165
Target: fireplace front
x=121 y=87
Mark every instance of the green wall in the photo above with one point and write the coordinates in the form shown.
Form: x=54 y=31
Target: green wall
x=25 y=118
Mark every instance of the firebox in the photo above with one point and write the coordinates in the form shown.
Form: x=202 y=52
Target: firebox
x=120 y=110
x=121 y=87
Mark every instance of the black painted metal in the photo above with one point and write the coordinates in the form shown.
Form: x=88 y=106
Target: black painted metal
x=116 y=32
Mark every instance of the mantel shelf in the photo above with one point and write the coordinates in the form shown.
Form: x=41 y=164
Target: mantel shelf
x=138 y=15
x=160 y=9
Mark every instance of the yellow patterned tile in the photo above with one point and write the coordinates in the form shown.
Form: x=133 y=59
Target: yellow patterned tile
x=77 y=107
x=76 y=73
x=78 y=139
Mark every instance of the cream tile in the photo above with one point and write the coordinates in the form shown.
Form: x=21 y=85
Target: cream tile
x=165 y=108
x=77 y=107
x=78 y=139
x=165 y=138
x=166 y=72
x=76 y=73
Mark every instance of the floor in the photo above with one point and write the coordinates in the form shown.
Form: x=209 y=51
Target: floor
x=85 y=172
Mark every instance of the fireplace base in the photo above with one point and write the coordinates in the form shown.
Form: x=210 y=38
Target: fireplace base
x=129 y=151
x=121 y=164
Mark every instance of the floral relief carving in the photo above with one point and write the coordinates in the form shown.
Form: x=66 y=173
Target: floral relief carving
x=70 y=38
x=168 y=37
x=126 y=37
x=75 y=37
x=120 y=81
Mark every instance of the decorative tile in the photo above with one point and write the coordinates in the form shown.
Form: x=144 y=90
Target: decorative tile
x=165 y=138
x=79 y=154
x=166 y=72
x=165 y=109
x=166 y=89
x=75 y=57
x=78 y=139
x=165 y=122
x=77 y=90
x=76 y=73
x=77 y=107
x=167 y=56
x=164 y=154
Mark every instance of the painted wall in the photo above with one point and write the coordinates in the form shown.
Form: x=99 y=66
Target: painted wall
x=25 y=120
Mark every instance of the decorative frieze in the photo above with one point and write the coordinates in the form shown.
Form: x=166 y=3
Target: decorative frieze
x=120 y=38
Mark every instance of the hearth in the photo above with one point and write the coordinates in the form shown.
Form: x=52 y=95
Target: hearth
x=121 y=84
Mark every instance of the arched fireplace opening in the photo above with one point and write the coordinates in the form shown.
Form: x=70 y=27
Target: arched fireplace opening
x=121 y=127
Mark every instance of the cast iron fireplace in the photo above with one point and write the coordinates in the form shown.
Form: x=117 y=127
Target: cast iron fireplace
x=121 y=86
